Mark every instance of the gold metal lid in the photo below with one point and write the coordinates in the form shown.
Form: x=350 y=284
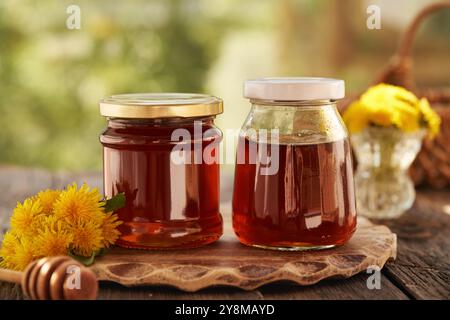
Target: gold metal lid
x=160 y=105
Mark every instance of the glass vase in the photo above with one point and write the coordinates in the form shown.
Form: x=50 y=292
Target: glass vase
x=384 y=189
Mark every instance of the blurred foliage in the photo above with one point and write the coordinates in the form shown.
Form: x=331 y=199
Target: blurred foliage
x=51 y=78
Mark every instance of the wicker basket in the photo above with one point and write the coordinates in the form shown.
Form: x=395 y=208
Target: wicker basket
x=432 y=165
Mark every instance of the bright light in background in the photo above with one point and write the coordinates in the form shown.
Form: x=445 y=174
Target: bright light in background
x=242 y=56
x=446 y=209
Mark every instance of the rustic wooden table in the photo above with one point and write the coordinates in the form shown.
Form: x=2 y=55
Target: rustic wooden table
x=421 y=270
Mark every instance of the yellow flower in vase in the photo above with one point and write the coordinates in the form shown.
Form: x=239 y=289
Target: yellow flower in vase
x=355 y=117
x=386 y=105
x=387 y=126
x=431 y=119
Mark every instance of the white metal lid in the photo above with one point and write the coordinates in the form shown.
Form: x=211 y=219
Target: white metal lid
x=293 y=89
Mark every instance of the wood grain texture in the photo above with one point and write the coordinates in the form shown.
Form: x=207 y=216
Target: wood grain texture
x=228 y=263
x=351 y=288
x=422 y=268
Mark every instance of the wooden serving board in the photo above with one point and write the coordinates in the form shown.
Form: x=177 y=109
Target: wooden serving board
x=229 y=263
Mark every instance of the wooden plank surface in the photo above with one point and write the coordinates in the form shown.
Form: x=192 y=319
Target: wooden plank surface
x=422 y=267
x=352 y=288
x=421 y=270
x=349 y=289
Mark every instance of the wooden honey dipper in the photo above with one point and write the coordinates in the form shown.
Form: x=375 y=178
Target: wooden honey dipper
x=51 y=278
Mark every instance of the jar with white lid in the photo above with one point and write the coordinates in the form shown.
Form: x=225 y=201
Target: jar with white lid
x=293 y=187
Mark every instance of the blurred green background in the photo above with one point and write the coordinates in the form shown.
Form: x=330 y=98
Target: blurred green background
x=51 y=78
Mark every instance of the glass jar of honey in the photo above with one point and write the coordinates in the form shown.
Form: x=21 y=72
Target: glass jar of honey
x=293 y=186
x=161 y=151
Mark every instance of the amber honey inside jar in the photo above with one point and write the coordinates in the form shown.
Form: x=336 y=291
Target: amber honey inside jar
x=161 y=151
x=293 y=187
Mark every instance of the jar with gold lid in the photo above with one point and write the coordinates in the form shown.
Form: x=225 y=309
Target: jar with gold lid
x=162 y=152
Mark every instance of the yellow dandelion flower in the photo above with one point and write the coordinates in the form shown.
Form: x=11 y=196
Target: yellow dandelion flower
x=23 y=219
x=387 y=105
x=408 y=122
x=355 y=117
x=25 y=253
x=8 y=249
x=50 y=221
x=386 y=94
x=79 y=204
x=109 y=229
x=431 y=118
x=48 y=198
x=381 y=116
x=9 y=244
x=390 y=105
x=53 y=240
x=87 y=238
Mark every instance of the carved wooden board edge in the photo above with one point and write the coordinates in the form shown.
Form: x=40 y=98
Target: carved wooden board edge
x=249 y=268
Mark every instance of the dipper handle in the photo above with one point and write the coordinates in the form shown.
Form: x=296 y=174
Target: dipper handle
x=10 y=276
x=55 y=278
